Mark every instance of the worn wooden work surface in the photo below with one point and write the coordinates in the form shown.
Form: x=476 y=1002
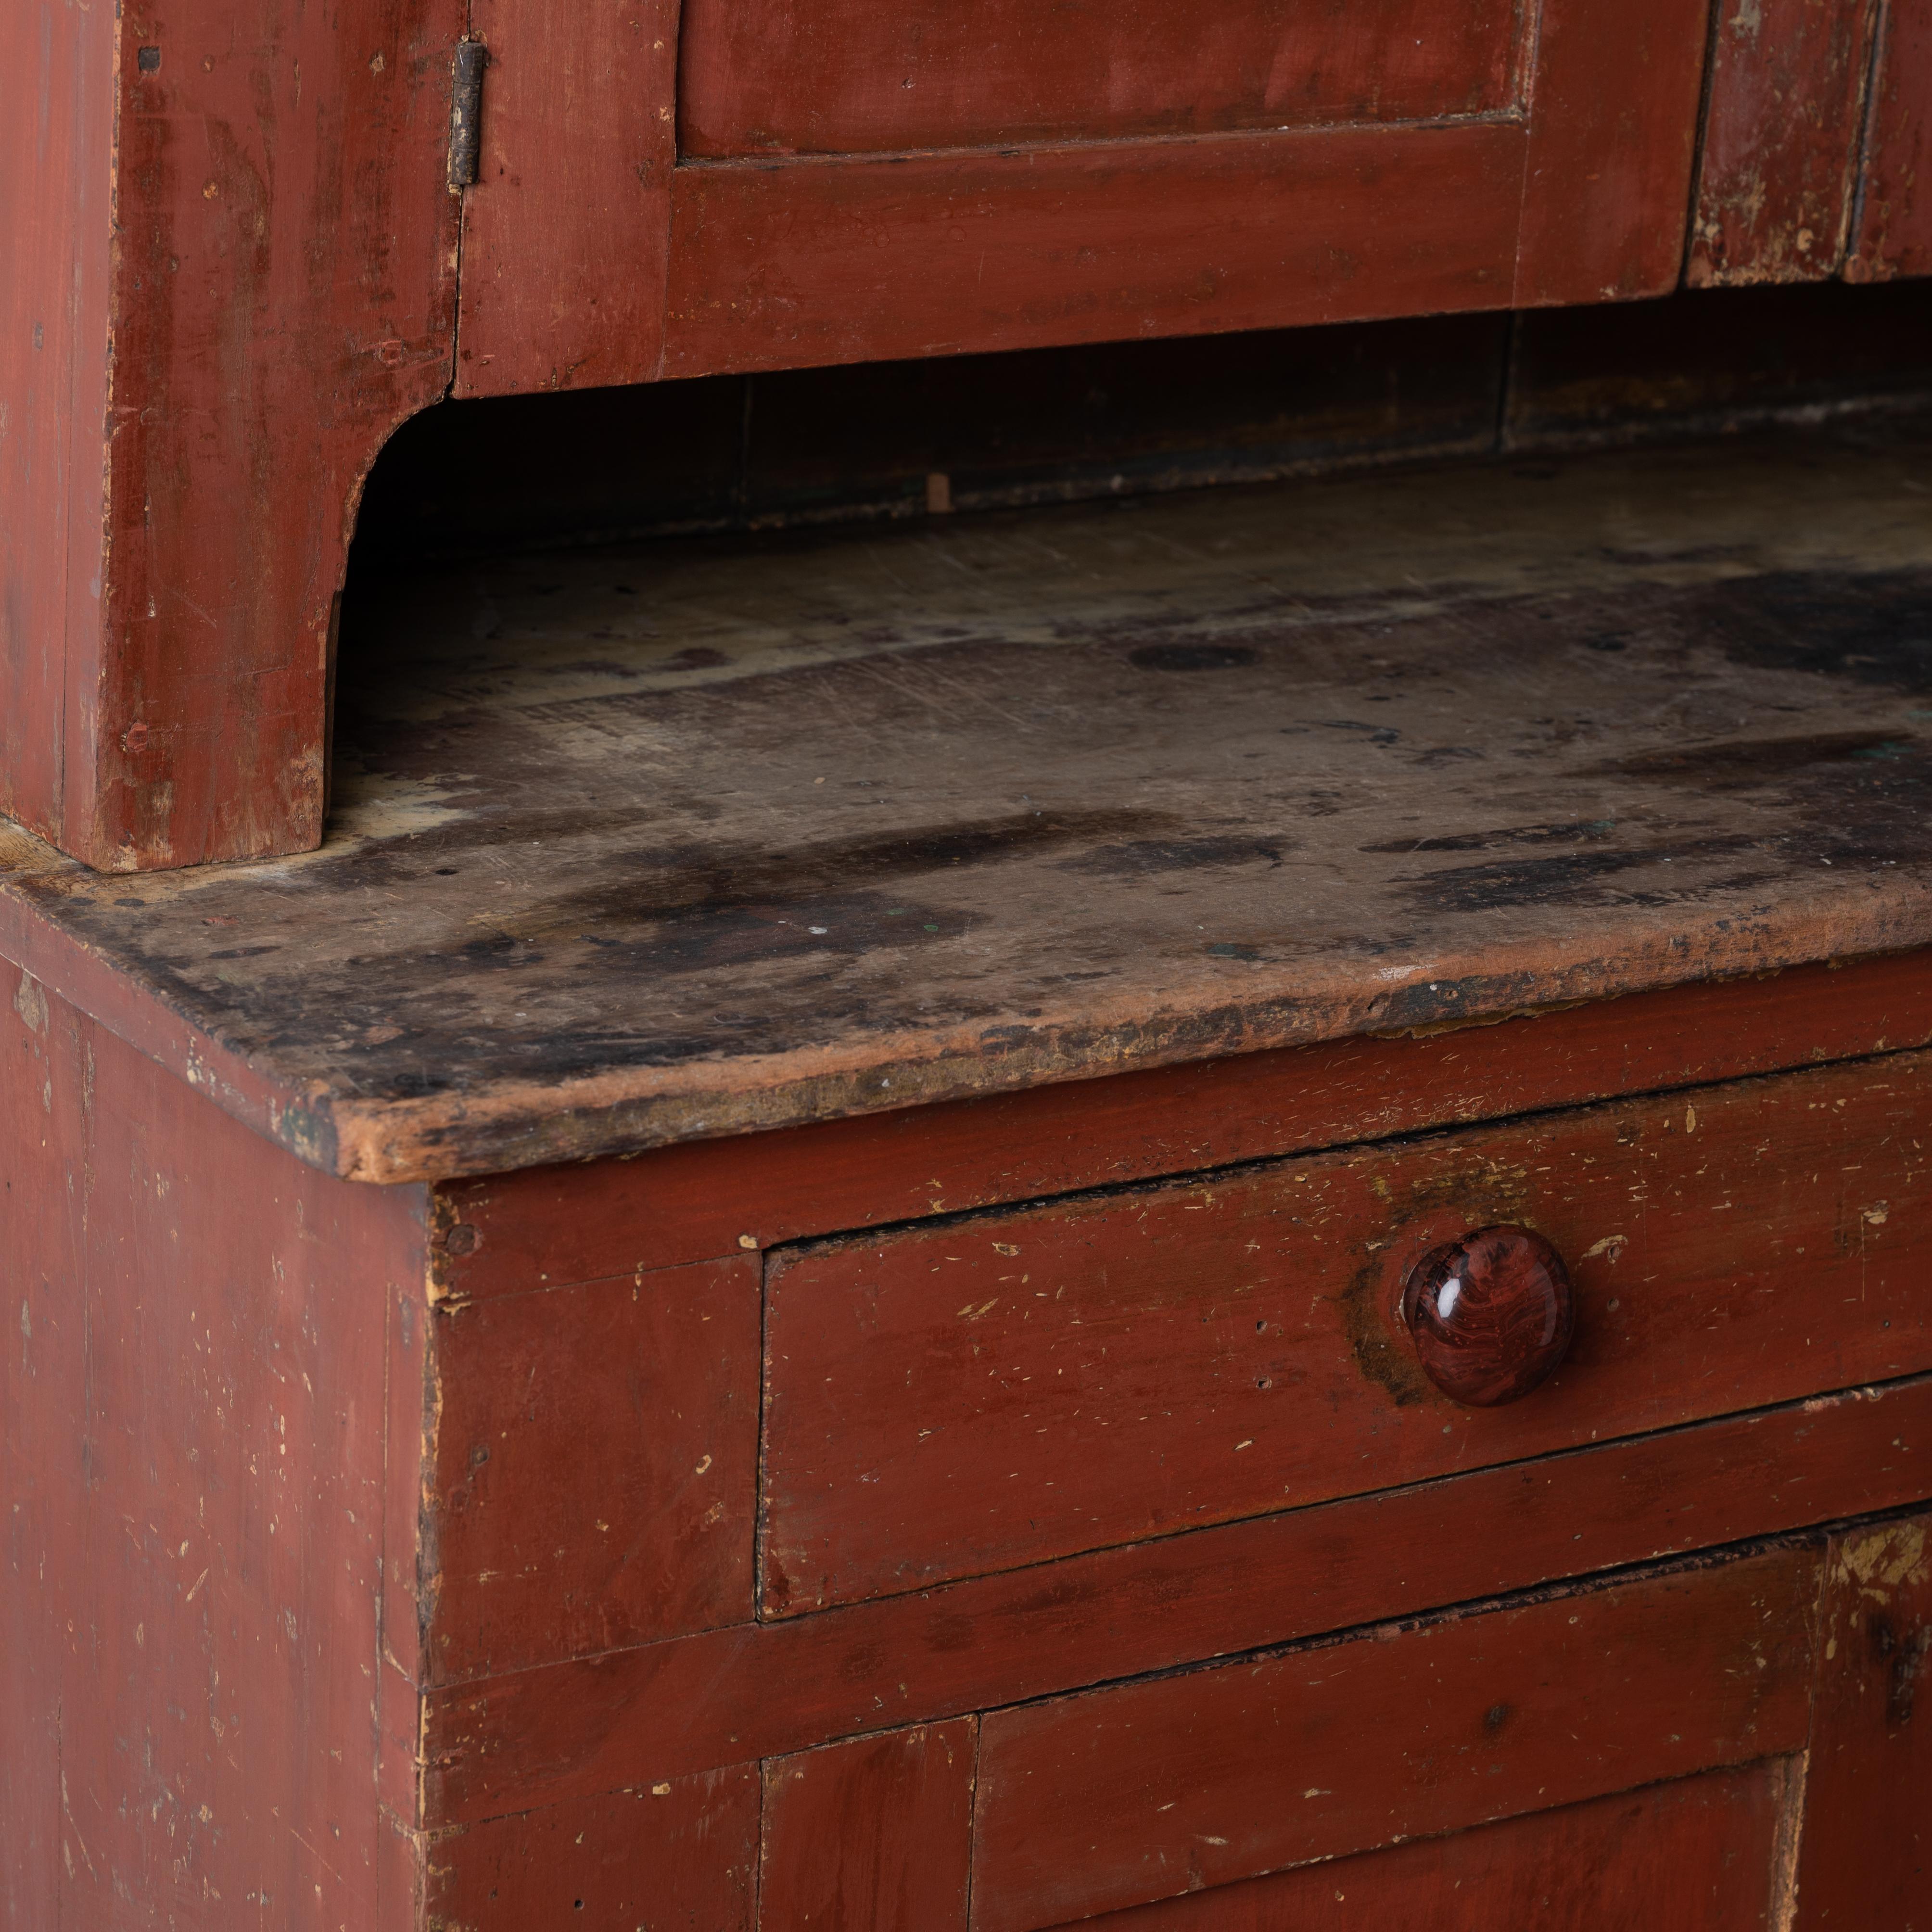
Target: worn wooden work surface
x=689 y=839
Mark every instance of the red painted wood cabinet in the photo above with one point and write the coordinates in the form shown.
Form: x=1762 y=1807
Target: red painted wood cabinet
x=851 y=1360
x=361 y=1573
x=237 y=265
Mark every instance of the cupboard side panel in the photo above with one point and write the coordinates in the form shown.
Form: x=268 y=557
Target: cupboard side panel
x=43 y=1388
x=284 y=296
x=57 y=84
x=208 y=1497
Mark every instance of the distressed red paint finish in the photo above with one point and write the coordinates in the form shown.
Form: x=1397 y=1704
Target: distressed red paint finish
x=1697 y=1854
x=550 y=1226
x=194 y=1449
x=593 y=1475
x=1894 y=231
x=277 y=281
x=238 y=1438
x=804 y=76
x=56 y=193
x=1782 y=141
x=559 y=1736
x=1866 y=1856
x=1148 y=1791
x=566 y=290
x=876 y=1831
x=1132 y=1363
x=1564 y=183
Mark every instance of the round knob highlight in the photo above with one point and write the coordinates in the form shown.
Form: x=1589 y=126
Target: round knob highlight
x=1491 y=1314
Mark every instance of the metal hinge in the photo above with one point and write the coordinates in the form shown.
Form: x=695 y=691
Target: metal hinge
x=466 y=115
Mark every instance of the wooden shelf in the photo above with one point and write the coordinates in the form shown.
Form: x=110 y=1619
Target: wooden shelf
x=638 y=845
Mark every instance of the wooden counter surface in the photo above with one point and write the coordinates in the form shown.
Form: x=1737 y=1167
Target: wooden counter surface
x=678 y=840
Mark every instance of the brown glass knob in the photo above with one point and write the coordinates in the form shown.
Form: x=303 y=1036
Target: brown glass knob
x=1491 y=1314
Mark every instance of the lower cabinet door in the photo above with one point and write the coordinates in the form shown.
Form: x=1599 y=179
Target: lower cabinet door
x=1122 y=1796
x=1737 y=1742
x=1703 y=1854
x=1732 y=1742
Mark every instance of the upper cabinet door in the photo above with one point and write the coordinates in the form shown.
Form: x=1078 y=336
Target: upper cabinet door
x=1894 y=234
x=764 y=183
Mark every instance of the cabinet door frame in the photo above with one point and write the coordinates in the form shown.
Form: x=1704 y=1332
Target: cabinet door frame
x=593 y=254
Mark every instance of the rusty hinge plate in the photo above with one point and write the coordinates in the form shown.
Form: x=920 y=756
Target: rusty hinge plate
x=466 y=110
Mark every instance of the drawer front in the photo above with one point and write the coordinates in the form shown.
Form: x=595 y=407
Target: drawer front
x=965 y=1398
x=847 y=77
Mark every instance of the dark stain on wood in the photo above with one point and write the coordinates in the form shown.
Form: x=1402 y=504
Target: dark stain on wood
x=870 y=819
x=1902 y=1657
x=1572 y=878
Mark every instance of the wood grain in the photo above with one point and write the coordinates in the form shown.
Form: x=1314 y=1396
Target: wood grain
x=964 y=1398
x=592 y=1467
x=1695 y=1855
x=875 y=1833
x=795 y=76
x=1867 y=1855
x=564 y=236
x=1894 y=231
x=1783 y=141
x=1150 y=1790
x=560 y=1735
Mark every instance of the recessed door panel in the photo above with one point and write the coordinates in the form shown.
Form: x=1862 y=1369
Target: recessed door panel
x=863 y=77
